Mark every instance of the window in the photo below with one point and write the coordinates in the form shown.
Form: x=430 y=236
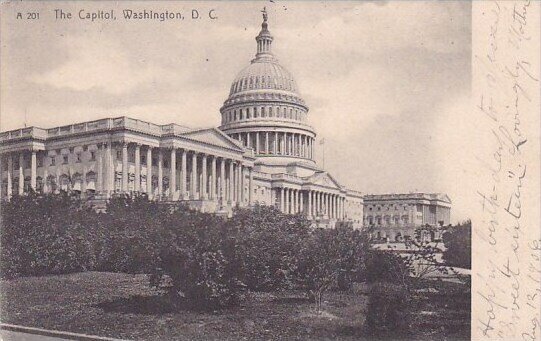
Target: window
x=65 y=159
x=53 y=161
x=78 y=157
x=143 y=159
x=119 y=154
x=166 y=163
x=92 y=155
x=154 y=161
x=40 y=161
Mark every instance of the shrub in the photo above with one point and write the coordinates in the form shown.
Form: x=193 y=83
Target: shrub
x=195 y=250
x=386 y=266
x=457 y=241
x=47 y=234
x=267 y=246
x=388 y=311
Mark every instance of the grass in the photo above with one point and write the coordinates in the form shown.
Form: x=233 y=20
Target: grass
x=123 y=306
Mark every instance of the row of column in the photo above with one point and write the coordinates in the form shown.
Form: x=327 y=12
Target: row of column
x=210 y=177
x=277 y=143
x=312 y=203
x=20 y=171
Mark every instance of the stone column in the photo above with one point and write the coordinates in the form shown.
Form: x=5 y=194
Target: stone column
x=275 y=143
x=10 y=175
x=45 y=188
x=231 y=183
x=334 y=215
x=309 y=193
x=320 y=202
x=237 y=182
x=194 y=176
x=267 y=143
x=329 y=206
x=204 y=177
x=137 y=184
x=99 y=168
x=33 y=170
x=291 y=201
x=241 y=185
x=213 y=176
x=282 y=206
x=109 y=169
x=222 y=181
x=173 y=175
x=21 y=173
x=250 y=186
x=149 y=171
x=160 y=173
x=183 y=175
x=257 y=142
x=83 y=180
x=124 y=167
x=248 y=141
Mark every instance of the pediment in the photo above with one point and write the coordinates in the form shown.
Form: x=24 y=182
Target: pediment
x=214 y=137
x=324 y=179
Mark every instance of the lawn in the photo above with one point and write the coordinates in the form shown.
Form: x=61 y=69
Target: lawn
x=123 y=306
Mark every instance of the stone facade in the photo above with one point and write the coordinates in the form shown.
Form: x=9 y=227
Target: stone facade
x=394 y=217
x=263 y=153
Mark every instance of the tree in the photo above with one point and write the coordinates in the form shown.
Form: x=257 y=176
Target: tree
x=457 y=241
x=267 y=244
x=330 y=258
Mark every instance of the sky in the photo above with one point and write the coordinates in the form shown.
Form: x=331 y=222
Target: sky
x=388 y=83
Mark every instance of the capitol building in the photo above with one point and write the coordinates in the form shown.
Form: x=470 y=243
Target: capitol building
x=262 y=153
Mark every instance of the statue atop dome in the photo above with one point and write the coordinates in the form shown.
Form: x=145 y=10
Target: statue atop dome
x=264 y=11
